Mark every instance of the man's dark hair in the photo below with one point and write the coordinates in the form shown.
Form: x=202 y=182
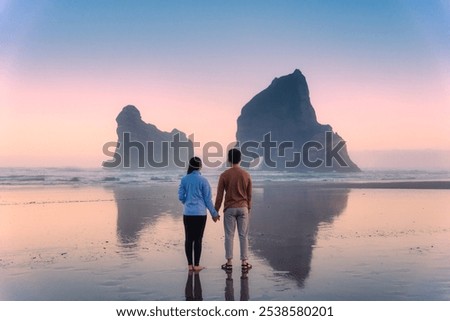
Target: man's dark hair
x=234 y=156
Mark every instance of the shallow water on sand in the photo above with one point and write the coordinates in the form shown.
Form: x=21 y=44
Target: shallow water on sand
x=307 y=243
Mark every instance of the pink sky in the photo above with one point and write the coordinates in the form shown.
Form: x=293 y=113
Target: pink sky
x=70 y=122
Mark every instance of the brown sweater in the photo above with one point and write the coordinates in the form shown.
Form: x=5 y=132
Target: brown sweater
x=237 y=184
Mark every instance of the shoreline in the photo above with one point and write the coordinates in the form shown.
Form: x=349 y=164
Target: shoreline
x=361 y=185
x=392 y=184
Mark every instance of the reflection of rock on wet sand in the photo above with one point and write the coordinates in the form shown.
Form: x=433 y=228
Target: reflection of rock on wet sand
x=140 y=206
x=285 y=221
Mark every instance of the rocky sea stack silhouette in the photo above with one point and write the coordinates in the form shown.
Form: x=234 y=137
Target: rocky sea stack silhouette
x=142 y=145
x=277 y=130
x=283 y=112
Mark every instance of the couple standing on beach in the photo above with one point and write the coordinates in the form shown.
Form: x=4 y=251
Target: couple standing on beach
x=195 y=194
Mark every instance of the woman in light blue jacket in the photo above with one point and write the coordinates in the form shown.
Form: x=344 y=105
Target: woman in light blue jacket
x=195 y=194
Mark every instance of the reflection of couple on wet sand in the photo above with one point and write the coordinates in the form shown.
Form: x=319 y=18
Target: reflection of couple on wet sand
x=193 y=289
x=195 y=194
x=229 y=288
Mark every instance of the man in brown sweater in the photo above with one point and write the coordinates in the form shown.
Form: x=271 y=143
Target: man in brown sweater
x=237 y=185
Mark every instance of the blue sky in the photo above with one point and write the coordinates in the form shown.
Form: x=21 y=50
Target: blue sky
x=180 y=32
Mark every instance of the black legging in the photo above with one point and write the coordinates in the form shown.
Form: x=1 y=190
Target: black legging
x=194 y=226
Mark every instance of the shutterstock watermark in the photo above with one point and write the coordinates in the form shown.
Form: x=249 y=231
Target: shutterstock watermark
x=269 y=153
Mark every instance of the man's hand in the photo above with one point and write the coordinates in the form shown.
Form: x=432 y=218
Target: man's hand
x=216 y=218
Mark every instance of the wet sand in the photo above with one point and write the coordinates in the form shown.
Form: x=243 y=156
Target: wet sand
x=312 y=241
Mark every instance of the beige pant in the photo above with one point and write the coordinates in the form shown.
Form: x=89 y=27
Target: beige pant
x=240 y=217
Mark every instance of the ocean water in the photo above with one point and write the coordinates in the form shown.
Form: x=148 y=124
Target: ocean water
x=71 y=176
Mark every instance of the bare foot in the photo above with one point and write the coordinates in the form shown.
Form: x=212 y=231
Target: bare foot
x=198 y=268
x=190 y=268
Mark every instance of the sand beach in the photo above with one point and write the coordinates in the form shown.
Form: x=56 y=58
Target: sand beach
x=309 y=241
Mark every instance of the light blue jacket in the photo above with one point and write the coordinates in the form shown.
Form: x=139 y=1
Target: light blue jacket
x=195 y=194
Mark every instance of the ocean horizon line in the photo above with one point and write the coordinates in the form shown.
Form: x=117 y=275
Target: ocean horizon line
x=77 y=176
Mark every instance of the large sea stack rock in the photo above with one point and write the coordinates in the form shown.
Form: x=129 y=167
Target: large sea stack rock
x=142 y=145
x=283 y=122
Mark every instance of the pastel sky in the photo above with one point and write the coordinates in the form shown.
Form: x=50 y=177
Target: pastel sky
x=378 y=71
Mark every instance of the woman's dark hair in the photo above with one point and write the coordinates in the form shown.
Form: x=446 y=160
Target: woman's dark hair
x=195 y=163
x=234 y=156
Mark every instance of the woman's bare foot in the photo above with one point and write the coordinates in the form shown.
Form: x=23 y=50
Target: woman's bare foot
x=198 y=268
x=190 y=268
